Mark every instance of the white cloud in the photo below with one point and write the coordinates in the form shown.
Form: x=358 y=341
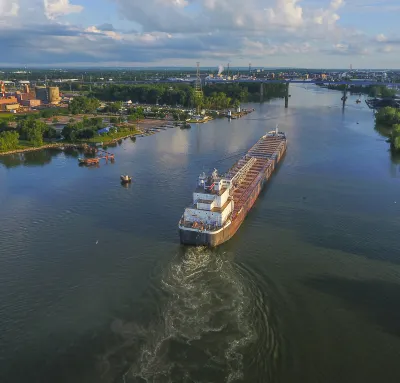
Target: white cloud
x=329 y=16
x=56 y=8
x=112 y=34
x=8 y=8
x=288 y=32
x=381 y=38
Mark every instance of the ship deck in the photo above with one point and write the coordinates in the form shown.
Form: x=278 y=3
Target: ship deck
x=262 y=151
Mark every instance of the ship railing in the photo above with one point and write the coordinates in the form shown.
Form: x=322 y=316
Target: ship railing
x=201 y=226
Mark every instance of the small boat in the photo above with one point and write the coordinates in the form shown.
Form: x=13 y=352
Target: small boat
x=358 y=101
x=125 y=179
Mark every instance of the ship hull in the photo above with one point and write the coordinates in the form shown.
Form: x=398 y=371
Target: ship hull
x=212 y=239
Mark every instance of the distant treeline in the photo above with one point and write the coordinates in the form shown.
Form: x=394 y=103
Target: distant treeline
x=372 y=90
x=214 y=96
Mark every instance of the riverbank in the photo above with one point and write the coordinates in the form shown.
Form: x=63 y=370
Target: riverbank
x=81 y=145
x=128 y=130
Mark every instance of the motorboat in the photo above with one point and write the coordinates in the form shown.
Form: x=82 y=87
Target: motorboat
x=126 y=178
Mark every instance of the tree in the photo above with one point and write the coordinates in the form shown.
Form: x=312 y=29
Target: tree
x=85 y=121
x=388 y=116
x=3 y=124
x=133 y=117
x=69 y=132
x=382 y=91
x=50 y=132
x=35 y=134
x=9 y=140
x=55 y=120
x=83 y=105
x=396 y=143
x=32 y=130
x=85 y=133
x=96 y=122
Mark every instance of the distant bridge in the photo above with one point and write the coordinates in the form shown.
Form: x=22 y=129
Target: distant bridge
x=247 y=81
x=310 y=82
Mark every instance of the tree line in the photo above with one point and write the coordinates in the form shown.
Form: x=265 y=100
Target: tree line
x=390 y=118
x=218 y=96
x=370 y=90
x=31 y=129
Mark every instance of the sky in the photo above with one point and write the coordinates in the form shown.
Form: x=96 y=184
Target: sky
x=137 y=33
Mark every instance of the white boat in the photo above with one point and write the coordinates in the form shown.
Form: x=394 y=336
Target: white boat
x=126 y=178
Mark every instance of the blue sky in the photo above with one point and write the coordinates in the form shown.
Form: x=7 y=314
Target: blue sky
x=269 y=33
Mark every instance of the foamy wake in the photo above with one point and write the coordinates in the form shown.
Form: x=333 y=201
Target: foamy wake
x=205 y=327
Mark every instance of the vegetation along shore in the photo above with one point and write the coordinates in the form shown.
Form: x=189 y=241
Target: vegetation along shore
x=103 y=114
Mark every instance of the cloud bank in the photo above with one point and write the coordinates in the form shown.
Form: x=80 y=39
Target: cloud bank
x=181 y=32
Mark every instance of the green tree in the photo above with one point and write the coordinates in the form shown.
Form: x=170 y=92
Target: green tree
x=9 y=140
x=85 y=121
x=50 y=133
x=69 y=132
x=83 y=105
x=388 y=116
x=35 y=133
x=32 y=130
x=396 y=143
x=85 y=133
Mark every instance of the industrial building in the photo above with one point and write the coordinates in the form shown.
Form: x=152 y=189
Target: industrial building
x=8 y=104
x=31 y=103
x=42 y=94
x=48 y=95
x=54 y=94
x=12 y=101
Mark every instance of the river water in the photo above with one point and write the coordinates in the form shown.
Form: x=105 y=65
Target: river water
x=95 y=287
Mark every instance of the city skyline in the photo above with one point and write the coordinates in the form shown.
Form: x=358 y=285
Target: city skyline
x=176 y=33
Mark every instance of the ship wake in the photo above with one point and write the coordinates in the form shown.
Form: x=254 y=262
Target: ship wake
x=206 y=328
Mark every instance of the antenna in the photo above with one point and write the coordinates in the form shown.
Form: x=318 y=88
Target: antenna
x=276 y=129
x=197 y=88
x=198 y=78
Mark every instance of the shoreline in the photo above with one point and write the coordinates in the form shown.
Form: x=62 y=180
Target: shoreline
x=81 y=145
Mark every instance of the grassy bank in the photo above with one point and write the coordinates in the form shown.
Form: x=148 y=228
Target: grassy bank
x=25 y=146
x=107 y=138
x=6 y=116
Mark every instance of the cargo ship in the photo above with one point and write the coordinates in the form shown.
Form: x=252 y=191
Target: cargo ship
x=221 y=203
